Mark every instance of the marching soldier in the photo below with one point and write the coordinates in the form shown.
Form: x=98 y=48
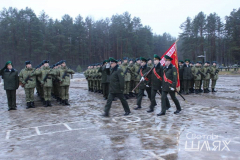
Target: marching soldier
x=145 y=83
x=64 y=79
x=169 y=85
x=214 y=75
x=27 y=77
x=116 y=87
x=46 y=82
x=11 y=84
x=104 y=79
x=206 y=77
x=187 y=75
x=127 y=77
x=156 y=79
x=86 y=74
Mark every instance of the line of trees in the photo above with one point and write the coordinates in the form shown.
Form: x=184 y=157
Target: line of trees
x=208 y=35
x=26 y=36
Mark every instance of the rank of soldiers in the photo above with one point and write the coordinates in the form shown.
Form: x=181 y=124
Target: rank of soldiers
x=142 y=75
x=49 y=82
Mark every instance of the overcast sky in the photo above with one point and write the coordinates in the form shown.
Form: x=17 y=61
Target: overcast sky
x=161 y=15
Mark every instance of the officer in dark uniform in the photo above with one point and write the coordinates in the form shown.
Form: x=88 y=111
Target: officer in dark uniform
x=145 y=82
x=169 y=85
x=104 y=79
x=116 y=87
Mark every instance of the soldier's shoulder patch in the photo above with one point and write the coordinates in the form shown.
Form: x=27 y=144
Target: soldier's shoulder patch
x=122 y=73
x=174 y=73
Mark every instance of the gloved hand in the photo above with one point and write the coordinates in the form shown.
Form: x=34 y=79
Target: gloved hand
x=142 y=79
x=108 y=65
x=172 y=89
x=147 y=85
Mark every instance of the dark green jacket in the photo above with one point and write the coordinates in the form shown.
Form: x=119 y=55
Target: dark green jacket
x=156 y=82
x=105 y=76
x=171 y=74
x=144 y=70
x=187 y=72
x=116 y=80
x=180 y=72
x=11 y=81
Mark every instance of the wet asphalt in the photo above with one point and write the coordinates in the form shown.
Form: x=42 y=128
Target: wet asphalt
x=207 y=128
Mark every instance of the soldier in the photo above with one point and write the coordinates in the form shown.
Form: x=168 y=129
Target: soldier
x=11 y=84
x=187 y=75
x=156 y=79
x=116 y=87
x=145 y=82
x=104 y=79
x=137 y=77
x=46 y=82
x=191 y=85
x=181 y=76
x=206 y=77
x=169 y=85
x=119 y=62
x=131 y=68
x=64 y=79
x=214 y=75
x=99 y=78
x=90 y=78
x=200 y=90
x=27 y=77
x=149 y=63
x=196 y=71
x=127 y=77
x=86 y=74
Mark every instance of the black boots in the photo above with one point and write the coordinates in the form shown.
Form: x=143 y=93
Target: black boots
x=127 y=113
x=205 y=91
x=49 y=103
x=150 y=110
x=126 y=96
x=28 y=105
x=138 y=107
x=196 y=91
x=32 y=104
x=66 y=102
x=161 y=114
x=105 y=114
x=177 y=111
x=213 y=90
x=45 y=103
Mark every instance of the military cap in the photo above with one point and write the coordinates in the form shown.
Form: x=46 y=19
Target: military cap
x=199 y=62
x=45 y=61
x=156 y=57
x=63 y=61
x=214 y=62
x=125 y=58
x=207 y=62
x=192 y=62
x=27 y=62
x=120 y=60
x=143 y=59
x=137 y=59
x=8 y=62
x=181 y=61
x=187 y=60
x=104 y=62
x=130 y=59
x=111 y=59
x=149 y=59
x=167 y=57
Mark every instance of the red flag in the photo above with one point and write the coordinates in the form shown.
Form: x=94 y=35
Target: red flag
x=172 y=52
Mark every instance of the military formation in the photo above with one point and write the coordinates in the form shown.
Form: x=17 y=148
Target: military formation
x=129 y=78
x=195 y=78
x=49 y=81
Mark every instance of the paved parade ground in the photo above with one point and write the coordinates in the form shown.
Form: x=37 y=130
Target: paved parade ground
x=207 y=128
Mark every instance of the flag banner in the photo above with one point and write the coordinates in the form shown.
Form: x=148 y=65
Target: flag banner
x=172 y=52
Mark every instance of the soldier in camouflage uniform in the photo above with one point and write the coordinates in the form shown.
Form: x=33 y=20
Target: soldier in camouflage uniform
x=149 y=63
x=127 y=77
x=99 y=78
x=46 y=82
x=64 y=79
x=90 y=78
x=196 y=72
x=27 y=77
x=132 y=82
x=104 y=79
x=191 y=85
x=214 y=75
x=137 y=77
x=86 y=74
x=206 y=77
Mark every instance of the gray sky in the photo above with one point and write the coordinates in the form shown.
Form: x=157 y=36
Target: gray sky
x=161 y=15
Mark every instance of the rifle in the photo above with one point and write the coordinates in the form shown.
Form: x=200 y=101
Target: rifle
x=180 y=95
x=28 y=77
x=46 y=77
x=216 y=71
x=65 y=75
x=146 y=74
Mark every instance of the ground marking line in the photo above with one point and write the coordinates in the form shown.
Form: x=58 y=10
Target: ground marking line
x=37 y=130
x=69 y=128
x=24 y=137
x=8 y=135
